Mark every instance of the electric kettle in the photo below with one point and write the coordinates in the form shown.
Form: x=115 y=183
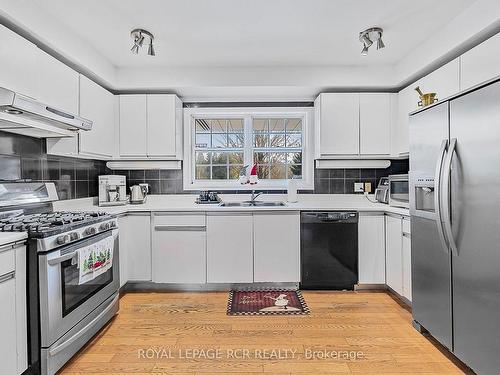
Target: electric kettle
x=138 y=193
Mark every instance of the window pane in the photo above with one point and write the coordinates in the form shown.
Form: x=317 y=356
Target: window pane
x=202 y=157
x=234 y=171
x=276 y=125
x=219 y=173
x=294 y=125
x=277 y=157
x=294 y=140
x=219 y=157
x=219 y=140
x=278 y=171
x=261 y=140
x=260 y=125
x=263 y=172
x=261 y=157
x=294 y=158
x=235 y=126
x=202 y=173
x=236 y=140
x=236 y=158
x=277 y=140
x=203 y=141
x=202 y=126
x=219 y=125
x=294 y=170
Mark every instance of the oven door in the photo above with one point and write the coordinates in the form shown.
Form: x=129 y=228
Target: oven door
x=399 y=193
x=64 y=300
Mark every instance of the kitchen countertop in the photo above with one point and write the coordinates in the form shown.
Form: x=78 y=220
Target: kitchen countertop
x=9 y=237
x=186 y=203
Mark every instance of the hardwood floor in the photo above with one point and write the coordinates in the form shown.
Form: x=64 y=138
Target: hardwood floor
x=372 y=325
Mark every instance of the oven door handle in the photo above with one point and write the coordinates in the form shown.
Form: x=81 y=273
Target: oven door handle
x=53 y=351
x=61 y=259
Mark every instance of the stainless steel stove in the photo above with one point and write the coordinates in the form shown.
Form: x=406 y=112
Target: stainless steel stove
x=67 y=304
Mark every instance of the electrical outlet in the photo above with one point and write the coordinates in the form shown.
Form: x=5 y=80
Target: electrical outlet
x=368 y=187
x=358 y=187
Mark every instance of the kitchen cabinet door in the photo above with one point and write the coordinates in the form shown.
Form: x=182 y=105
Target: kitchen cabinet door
x=18 y=70
x=164 y=126
x=371 y=242
x=8 y=320
x=179 y=249
x=480 y=63
x=229 y=248
x=276 y=246
x=98 y=105
x=337 y=124
x=444 y=81
x=123 y=249
x=133 y=130
x=407 y=102
x=394 y=265
x=406 y=259
x=58 y=84
x=375 y=124
x=136 y=237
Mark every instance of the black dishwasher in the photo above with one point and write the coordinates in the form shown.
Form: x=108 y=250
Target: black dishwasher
x=329 y=250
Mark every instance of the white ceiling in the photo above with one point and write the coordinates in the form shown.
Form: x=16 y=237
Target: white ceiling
x=258 y=33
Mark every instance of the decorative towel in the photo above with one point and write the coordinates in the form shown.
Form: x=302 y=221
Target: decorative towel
x=95 y=259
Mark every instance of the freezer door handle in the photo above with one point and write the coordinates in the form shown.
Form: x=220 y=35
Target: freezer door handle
x=437 y=194
x=447 y=198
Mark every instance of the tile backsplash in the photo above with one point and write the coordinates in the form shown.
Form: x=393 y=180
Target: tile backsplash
x=326 y=181
x=24 y=157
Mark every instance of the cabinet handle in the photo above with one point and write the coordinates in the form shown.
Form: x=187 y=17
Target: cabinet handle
x=7 y=276
x=406 y=234
x=180 y=228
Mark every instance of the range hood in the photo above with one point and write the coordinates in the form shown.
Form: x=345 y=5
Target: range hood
x=24 y=115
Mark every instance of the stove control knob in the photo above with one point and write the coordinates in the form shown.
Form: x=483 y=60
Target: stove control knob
x=61 y=240
x=112 y=224
x=104 y=226
x=74 y=236
x=90 y=231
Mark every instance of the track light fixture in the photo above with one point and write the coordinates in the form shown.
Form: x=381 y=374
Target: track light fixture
x=138 y=35
x=369 y=36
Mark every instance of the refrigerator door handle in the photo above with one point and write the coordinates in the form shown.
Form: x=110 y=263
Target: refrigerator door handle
x=437 y=195
x=446 y=200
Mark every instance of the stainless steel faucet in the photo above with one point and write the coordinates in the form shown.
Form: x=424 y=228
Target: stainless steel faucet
x=254 y=196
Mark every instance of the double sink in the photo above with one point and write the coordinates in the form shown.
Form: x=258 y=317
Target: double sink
x=253 y=204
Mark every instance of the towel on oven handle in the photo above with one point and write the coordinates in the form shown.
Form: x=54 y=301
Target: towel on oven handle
x=95 y=259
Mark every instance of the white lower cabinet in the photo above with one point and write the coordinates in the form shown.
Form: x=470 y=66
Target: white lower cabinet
x=276 y=240
x=123 y=249
x=179 y=248
x=398 y=255
x=135 y=239
x=394 y=262
x=406 y=258
x=371 y=245
x=13 y=318
x=229 y=248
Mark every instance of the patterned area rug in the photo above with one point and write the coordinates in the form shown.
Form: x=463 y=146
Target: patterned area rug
x=266 y=302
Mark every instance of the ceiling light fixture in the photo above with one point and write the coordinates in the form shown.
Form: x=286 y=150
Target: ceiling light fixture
x=369 y=36
x=138 y=35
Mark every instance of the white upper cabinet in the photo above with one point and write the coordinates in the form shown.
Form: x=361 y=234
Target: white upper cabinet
x=133 y=140
x=57 y=83
x=164 y=126
x=98 y=105
x=444 y=81
x=375 y=123
x=150 y=126
x=18 y=71
x=337 y=124
x=481 y=63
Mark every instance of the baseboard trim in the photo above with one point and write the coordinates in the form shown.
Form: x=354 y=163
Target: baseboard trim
x=149 y=286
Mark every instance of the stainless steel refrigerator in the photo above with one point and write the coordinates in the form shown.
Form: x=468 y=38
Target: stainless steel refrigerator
x=455 y=219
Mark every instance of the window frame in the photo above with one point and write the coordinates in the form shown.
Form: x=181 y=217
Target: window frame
x=247 y=114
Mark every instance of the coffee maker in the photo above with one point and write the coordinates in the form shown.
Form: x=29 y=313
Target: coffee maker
x=112 y=190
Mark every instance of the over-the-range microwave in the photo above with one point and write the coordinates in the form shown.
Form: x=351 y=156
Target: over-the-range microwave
x=399 y=191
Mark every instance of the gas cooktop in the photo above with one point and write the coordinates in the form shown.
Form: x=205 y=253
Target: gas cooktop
x=48 y=224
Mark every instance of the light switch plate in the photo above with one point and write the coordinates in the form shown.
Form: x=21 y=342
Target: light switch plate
x=358 y=187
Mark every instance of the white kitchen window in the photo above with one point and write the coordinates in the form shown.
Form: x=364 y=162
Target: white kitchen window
x=218 y=143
